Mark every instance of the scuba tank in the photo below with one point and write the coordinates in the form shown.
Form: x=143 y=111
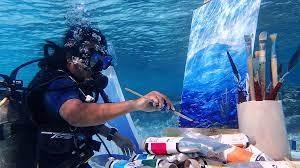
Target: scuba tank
x=17 y=132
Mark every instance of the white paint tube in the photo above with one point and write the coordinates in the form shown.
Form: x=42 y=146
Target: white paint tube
x=240 y=140
x=176 y=145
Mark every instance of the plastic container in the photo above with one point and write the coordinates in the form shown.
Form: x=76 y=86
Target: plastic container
x=264 y=121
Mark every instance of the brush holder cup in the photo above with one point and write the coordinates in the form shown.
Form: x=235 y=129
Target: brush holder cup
x=264 y=121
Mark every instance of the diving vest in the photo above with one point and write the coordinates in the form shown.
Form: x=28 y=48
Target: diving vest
x=56 y=135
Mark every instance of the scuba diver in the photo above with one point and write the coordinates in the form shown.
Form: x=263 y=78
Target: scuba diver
x=62 y=98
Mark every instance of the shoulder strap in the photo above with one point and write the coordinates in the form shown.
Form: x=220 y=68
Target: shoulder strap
x=104 y=96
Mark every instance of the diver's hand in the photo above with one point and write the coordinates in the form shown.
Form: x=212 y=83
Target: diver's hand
x=154 y=101
x=124 y=144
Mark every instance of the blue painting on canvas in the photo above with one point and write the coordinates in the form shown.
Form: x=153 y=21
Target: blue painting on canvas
x=210 y=89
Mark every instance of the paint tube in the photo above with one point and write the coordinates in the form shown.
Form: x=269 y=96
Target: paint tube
x=232 y=153
x=248 y=41
x=266 y=164
x=236 y=155
x=165 y=164
x=201 y=163
x=175 y=145
x=259 y=153
x=262 y=61
x=240 y=140
x=176 y=158
x=192 y=163
x=142 y=157
x=150 y=163
x=154 y=163
x=115 y=163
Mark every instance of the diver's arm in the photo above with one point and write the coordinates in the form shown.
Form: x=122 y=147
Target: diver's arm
x=80 y=114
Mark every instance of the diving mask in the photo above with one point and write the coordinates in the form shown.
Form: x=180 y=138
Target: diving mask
x=95 y=62
x=100 y=62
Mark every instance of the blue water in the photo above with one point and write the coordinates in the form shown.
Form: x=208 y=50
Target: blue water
x=150 y=38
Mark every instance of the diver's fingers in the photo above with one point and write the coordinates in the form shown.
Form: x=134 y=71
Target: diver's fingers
x=169 y=105
x=153 y=99
x=128 y=151
x=160 y=101
x=168 y=101
x=131 y=150
x=123 y=151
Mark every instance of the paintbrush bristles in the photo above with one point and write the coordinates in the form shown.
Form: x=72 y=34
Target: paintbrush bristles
x=263 y=36
x=247 y=39
x=273 y=37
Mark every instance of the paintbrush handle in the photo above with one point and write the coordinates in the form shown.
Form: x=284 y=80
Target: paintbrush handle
x=274 y=71
x=251 y=78
x=262 y=78
x=136 y=93
x=257 y=91
x=175 y=112
x=181 y=115
x=274 y=92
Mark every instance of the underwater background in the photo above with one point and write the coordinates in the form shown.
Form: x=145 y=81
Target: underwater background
x=150 y=38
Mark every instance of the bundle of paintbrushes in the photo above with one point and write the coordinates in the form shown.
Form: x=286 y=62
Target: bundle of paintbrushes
x=257 y=70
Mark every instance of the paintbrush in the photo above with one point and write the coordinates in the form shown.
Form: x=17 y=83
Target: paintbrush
x=292 y=64
x=255 y=62
x=280 y=70
x=262 y=61
x=248 y=41
x=274 y=65
x=174 y=111
x=257 y=87
x=241 y=93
